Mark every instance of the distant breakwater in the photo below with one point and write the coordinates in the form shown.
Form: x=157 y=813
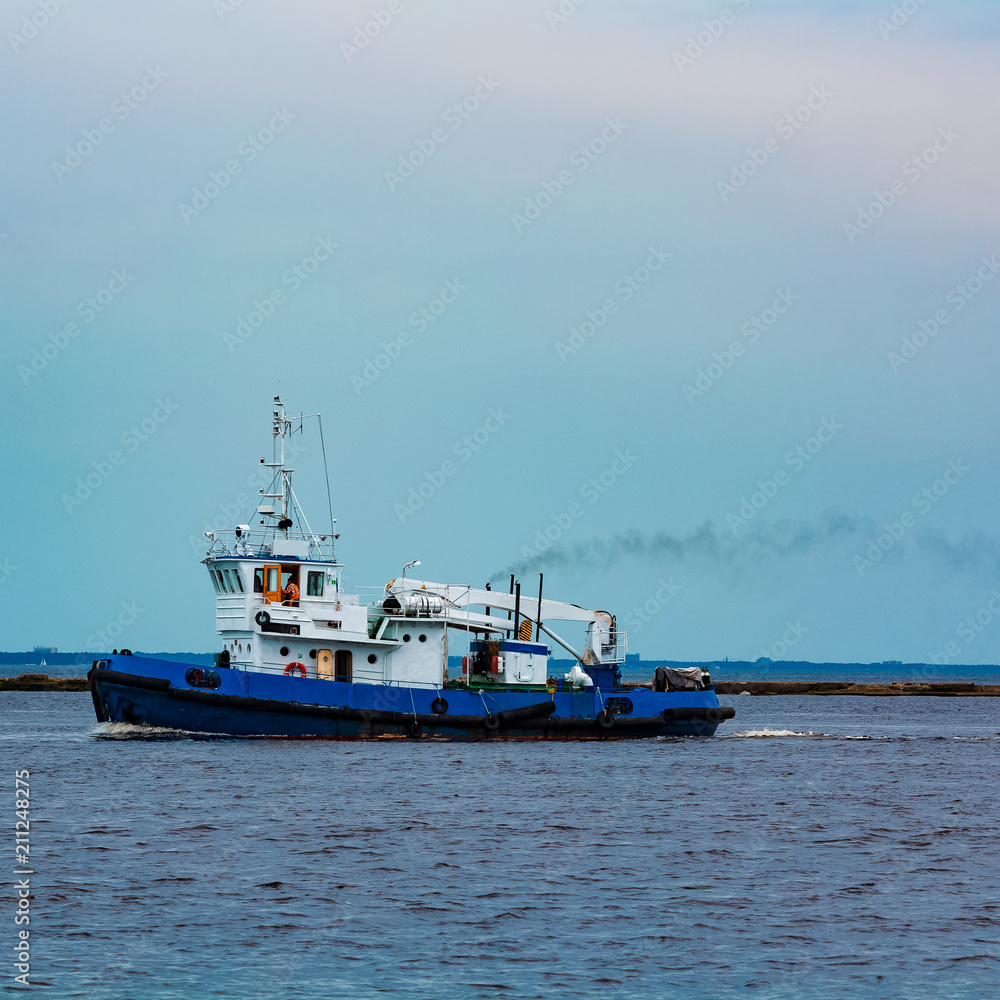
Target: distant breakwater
x=42 y=682
x=894 y=688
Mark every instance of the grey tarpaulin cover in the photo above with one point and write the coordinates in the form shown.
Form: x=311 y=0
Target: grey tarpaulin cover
x=684 y=677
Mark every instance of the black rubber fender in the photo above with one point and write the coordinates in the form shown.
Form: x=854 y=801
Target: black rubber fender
x=129 y=680
x=713 y=715
x=372 y=715
x=538 y=711
x=492 y=722
x=262 y=618
x=439 y=706
x=414 y=729
x=605 y=719
x=718 y=714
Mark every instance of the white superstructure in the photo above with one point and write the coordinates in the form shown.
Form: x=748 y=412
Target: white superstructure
x=280 y=608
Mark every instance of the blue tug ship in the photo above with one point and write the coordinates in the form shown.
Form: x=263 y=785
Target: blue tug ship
x=302 y=658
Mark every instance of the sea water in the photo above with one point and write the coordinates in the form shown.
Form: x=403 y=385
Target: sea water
x=815 y=848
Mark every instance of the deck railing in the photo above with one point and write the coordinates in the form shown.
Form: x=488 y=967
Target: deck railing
x=258 y=543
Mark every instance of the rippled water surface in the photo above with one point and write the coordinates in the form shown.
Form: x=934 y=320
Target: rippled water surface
x=821 y=847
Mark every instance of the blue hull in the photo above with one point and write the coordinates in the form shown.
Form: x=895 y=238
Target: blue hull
x=147 y=691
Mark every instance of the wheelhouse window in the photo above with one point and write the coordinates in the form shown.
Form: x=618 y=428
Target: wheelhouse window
x=314 y=584
x=258 y=581
x=220 y=581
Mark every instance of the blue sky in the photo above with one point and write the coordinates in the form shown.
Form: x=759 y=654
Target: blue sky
x=610 y=201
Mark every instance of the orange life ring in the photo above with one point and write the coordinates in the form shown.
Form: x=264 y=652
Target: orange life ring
x=292 y=667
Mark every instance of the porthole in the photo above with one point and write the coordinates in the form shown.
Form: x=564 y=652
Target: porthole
x=284 y=651
x=406 y=638
x=422 y=637
x=372 y=658
x=312 y=654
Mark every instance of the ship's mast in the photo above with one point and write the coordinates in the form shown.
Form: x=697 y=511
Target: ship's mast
x=283 y=477
x=282 y=516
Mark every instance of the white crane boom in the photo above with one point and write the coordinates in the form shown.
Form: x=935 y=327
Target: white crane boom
x=460 y=596
x=603 y=640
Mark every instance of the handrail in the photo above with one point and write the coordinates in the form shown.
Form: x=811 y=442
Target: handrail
x=613 y=654
x=257 y=543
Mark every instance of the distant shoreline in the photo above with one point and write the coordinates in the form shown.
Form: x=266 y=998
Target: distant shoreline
x=42 y=682
x=27 y=659
x=85 y=659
